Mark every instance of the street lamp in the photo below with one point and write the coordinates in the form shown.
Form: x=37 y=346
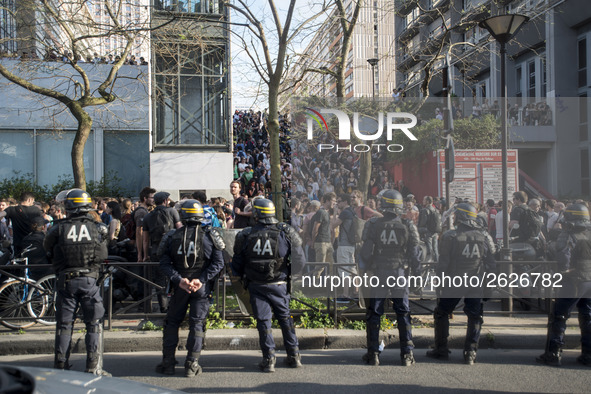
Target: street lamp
x=503 y=28
x=373 y=62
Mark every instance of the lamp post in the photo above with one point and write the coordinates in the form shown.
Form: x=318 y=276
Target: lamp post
x=373 y=62
x=502 y=28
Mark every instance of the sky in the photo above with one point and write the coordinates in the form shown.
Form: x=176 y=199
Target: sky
x=248 y=89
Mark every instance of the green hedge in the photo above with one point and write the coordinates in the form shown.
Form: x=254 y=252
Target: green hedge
x=108 y=186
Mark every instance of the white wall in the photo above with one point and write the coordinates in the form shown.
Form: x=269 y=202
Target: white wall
x=174 y=171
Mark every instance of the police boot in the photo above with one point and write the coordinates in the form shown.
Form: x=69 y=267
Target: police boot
x=92 y=365
x=295 y=360
x=57 y=364
x=268 y=363
x=192 y=367
x=470 y=356
x=441 y=351
x=585 y=325
x=166 y=367
x=471 y=342
x=371 y=358
x=407 y=359
x=553 y=354
x=550 y=358
x=585 y=359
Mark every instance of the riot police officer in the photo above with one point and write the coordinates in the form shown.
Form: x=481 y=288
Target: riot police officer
x=77 y=246
x=388 y=243
x=573 y=255
x=262 y=255
x=463 y=251
x=191 y=258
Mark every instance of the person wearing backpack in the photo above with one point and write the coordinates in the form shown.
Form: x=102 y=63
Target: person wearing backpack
x=157 y=223
x=348 y=237
x=519 y=207
x=210 y=218
x=429 y=227
x=525 y=222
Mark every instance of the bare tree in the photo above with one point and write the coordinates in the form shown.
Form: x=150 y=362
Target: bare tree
x=64 y=33
x=271 y=68
x=346 y=25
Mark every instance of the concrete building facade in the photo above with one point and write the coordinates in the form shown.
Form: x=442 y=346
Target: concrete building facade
x=373 y=38
x=170 y=126
x=547 y=77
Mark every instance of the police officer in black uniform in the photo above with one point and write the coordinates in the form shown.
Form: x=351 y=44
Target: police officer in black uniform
x=388 y=243
x=573 y=255
x=264 y=255
x=191 y=258
x=468 y=249
x=77 y=246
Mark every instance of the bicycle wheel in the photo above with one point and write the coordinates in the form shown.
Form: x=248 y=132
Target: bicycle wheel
x=41 y=302
x=13 y=304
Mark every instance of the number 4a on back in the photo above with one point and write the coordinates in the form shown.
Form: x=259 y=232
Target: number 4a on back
x=78 y=237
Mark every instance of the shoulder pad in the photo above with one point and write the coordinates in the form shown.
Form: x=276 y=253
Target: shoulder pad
x=406 y=221
x=373 y=220
x=217 y=236
x=293 y=236
x=102 y=228
x=244 y=232
x=283 y=226
x=449 y=234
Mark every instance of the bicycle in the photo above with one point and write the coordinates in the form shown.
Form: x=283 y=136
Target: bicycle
x=45 y=293
x=24 y=301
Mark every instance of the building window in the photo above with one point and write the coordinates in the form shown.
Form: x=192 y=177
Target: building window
x=531 y=79
x=585 y=172
x=191 y=6
x=518 y=81
x=543 y=69
x=191 y=104
x=582 y=62
x=583 y=117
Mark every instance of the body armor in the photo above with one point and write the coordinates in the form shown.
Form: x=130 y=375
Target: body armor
x=187 y=248
x=581 y=256
x=264 y=264
x=468 y=253
x=80 y=244
x=390 y=240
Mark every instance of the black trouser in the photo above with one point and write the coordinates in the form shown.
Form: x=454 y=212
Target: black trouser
x=198 y=303
x=82 y=291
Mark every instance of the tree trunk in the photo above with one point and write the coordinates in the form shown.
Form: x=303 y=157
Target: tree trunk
x=84 y=128
x=273 y=129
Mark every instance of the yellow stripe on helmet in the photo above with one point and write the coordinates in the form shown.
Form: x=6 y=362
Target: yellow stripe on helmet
x=79 y=200
x=579 y=213
x=265 y=209
x=392 y=200
x=470 y=213
x=192 y=210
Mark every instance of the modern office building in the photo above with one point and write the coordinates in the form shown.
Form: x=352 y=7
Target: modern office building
x=547 y=77
x=170 y=125
x=373 y=38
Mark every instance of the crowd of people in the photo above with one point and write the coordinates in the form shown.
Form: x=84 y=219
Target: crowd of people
x=332 y=221
x=67 y=57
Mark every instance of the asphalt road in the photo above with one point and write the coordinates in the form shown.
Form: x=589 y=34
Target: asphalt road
x=341 y=371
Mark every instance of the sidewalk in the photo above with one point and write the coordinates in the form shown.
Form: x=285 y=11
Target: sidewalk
x=499 y=332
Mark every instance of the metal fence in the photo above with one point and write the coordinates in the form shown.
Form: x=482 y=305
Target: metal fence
x=128 y=292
